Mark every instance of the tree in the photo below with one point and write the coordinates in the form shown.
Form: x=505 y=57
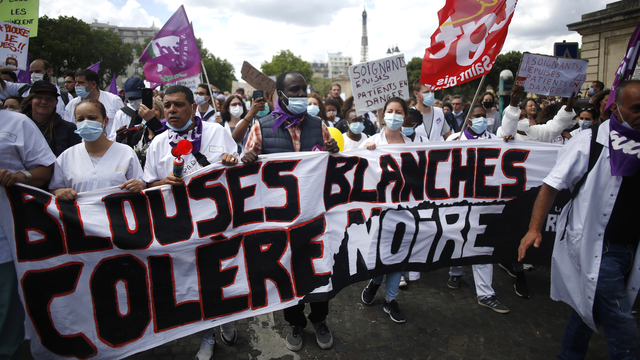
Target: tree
x=68 y=43
x=287 y=61
x=414 y=69
x=321 y=85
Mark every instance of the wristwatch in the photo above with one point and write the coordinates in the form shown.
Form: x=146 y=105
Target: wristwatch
x=27 y=176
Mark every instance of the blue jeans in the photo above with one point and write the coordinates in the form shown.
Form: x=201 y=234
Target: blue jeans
x=391 y=288
x=611 y=309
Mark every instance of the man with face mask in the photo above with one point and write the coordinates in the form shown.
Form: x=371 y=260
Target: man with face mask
x=289 y=128
x=127 y=117
x=595 y=263
x=434 y=126
x=87 y=88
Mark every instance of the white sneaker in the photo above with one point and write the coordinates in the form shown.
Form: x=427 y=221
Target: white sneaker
x=403 y=282
x=206 y=349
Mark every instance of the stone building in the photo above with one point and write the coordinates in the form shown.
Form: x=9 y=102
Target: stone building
x=605 y=36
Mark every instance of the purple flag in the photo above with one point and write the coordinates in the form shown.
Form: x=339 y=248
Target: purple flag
x=174 y=46
x=627 y=66
x=156 y=73
x=95 y=67
x=23 y=75
x=113 y=88
x=623 y=148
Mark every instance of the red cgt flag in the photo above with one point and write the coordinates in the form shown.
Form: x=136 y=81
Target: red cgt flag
x=467 y=42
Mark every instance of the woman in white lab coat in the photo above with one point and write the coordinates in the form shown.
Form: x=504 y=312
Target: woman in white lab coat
x=97 y=162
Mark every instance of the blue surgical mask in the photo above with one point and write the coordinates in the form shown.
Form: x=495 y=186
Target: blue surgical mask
x=428 y=99
x=199 y=99
x=393 y=121
x=313 y=110
x=408 y=131
x=356 y=127
x=457 y=113
x=592 y=91
x=479 y=125
x=89 y=130
x=182 y=128
x=265 y=112
x=585 y=124
x=82 y=91
x=298 y=105
x=624 y=122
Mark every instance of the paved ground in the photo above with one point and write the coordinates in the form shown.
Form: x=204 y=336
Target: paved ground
x=441 y=324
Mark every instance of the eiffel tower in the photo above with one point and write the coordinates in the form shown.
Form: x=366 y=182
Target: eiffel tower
x=364 y=53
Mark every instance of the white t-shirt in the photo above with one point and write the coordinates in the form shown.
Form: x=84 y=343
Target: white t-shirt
x=75 y=169
x=112 y=103
x=22 y=147
x=381 y=139
x=350 y=144
x=215 y=142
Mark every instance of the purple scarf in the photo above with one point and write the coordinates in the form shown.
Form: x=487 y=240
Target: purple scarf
x=471 y=136
x=285 y=116
x=194 y=135
x=624 y=148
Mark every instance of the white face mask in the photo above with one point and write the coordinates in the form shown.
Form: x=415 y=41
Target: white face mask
x=36 y=77
x=199 y=99
x=135 y=104
x=236 y=111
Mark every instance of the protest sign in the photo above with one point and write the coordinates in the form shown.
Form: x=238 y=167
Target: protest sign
x=257 y=78
x=14 y=46
x=190 y=82
x=114 y=273
x=375 y=82
x=467 y=42
x=23 y=12
x=550 y=75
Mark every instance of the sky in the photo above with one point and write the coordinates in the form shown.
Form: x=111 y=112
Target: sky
x=256 y=30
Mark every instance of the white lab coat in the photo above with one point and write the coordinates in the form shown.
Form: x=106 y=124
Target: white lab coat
x=542 y=133
x=74 y=169
x=119 y=120
x=22 y=147
x=486 y=135
x=576 y=259
x=216 y=141
x=436 y=126
x=201 y=115
x=381 y=139
x=112 y=103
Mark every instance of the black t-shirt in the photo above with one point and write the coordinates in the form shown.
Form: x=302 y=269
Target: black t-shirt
x=622 y=227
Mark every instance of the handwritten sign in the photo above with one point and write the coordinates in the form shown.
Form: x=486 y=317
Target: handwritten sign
x=257 y=78
x=190 y=82
x=550 y=75
x=23 y=12
x=375 y=82
x=14 y=45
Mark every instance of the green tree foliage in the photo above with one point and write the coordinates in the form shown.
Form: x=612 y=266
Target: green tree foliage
x=321 y=85
x=287 y=61
x=414 y=68
x=68 y=43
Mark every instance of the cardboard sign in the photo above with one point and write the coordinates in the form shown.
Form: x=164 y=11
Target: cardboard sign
x=23 y=12
x=375 y=82
x=257 y=78
x=550 y=75
x=14 y=45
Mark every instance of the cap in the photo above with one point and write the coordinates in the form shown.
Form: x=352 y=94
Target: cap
x=44 y=86
x=133 y=87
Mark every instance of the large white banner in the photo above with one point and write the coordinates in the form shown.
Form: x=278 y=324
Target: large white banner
x=115 y=273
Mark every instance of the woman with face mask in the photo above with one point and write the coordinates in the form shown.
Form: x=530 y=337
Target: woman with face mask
x=202 y=97
x=233 y=110
x=395 y=111
x=97 y=162
x=317 y=108
x=488 y=101
x=40 y=106
x=260 y=108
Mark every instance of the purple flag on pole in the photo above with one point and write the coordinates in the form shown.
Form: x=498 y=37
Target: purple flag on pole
x=113 y=88
x=627 y=66
x=95 y=67
x=156 y=73
x=174 y=46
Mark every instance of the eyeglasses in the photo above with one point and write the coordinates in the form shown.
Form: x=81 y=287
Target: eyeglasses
x=236 y=104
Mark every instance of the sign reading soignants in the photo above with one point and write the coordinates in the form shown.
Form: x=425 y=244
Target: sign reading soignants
x=375 y=82
x=550 y=75
x=14 y=45
x=22 y=12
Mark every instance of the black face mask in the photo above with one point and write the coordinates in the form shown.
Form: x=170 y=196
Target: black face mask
x=488 y=104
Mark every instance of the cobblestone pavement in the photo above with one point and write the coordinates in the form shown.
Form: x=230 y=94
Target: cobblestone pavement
x=441 y=324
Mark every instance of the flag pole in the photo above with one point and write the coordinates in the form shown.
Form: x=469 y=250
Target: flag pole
x=215 y=108
x=464 y=124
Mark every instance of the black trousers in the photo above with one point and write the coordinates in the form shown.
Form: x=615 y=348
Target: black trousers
x=295 y=314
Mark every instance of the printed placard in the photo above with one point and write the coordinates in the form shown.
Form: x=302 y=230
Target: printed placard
x=375 y=82
x=23 y=12
x=550 y=75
